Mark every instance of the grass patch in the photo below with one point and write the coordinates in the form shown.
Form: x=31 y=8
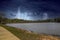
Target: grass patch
x=22 y=34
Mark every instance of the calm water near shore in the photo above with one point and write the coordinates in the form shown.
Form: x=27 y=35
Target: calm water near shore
x=48 y=28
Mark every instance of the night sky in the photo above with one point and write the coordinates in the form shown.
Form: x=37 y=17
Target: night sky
x=30 y=9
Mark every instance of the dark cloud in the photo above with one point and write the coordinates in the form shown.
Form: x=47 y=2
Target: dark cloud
x=36 y=7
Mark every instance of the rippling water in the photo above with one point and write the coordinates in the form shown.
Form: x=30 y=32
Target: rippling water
x=48 y=28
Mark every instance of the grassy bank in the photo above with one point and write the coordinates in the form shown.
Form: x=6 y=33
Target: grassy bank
x=26 y=35
x=22 y=34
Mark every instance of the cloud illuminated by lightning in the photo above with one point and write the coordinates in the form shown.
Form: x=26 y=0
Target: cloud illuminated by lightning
x=27 y=15
x=45 y=16
x=24 y=15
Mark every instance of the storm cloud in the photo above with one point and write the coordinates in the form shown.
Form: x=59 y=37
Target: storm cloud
x=31 y=9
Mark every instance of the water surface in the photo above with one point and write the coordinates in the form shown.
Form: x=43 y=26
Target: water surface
x=48 y=28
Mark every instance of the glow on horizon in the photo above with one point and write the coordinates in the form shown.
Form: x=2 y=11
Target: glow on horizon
x=27 y=15
x=24 y=15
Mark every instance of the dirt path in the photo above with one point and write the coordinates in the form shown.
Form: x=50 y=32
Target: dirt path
x=6 y=35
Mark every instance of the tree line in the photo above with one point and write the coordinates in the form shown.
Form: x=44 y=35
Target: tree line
x=6 y=20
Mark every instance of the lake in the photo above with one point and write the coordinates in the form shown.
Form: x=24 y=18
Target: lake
x=47 y=28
